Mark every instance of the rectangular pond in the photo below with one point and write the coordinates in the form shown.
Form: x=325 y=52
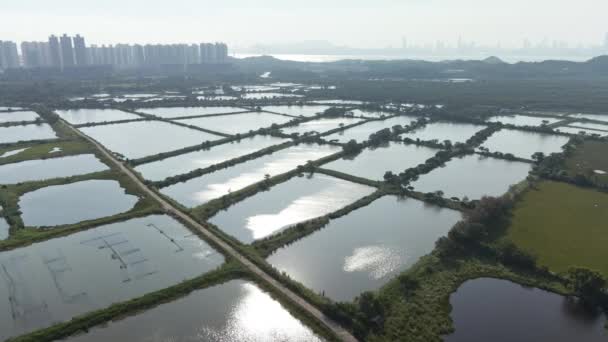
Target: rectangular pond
x=55 y=280
x=591 y=126
x=295 y=110
x=175 y=112
x=362 y=132
x=26 y=133
x=319 y=125
x=18 y=116
x=286 y=204
x=473 y=176
x=74 y=202
x=523 y=120
x=488 y=309
x=83 y=116
x=364 y=249
x=139 y=139
x=232 y=312
x=185 y=163
x=370 y=113
x=372 y=163
x=524 y=144
x=441 y=131
x=200 y=190
x=40 y=169
x=238 y=123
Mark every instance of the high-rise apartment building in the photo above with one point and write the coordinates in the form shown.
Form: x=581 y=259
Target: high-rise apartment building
x=67 y=51
x=35 y=54
x=9 y=56
x=55 y=52
x=80 y=51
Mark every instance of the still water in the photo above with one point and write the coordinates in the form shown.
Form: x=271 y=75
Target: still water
x=362 y=132
x=175 y=112
x=40 y=169
x=574 y=130
x=373 y=163
x=55 y=280
x=364 y=249
x=441 y=131
x=319 y=125
x=598 y=117
x=18 y=116
x=82 y=116
x=238 y=123
x=237 y=311
x=524 y=144
x=219 y=183
x=297 y=110
x=258 y=96
x=4 y=228
x=286 y=204
x=473 y=176
x=501 y=311
x=26 y=133
x=140 y=139
x=75 y=202
x=184 y=163
x=523 y=120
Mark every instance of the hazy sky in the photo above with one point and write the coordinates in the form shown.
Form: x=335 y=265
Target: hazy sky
x=361 y=23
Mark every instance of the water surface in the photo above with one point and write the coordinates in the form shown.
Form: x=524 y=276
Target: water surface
x=501 y=311
x=295 y=110
x=319 y=125
x=473 y=176
x=523 y=120
x=4 y=228
x=18 y=116
x=364 y=249
x=524 y=144
x=174 y=112
x=201 y=159
x=574 y=130
x=441 y=131
x=75 y=202
x=362 y=132
x=83 y=116
x=140 y=139
x=591 y=126
x=257 y=96
x=598 y=117
x=237 y=311
x=40 y=169
x=238 y=123
x=286 y=204
x=219 y=183
x=55 y=280
x=26 y=133
x=370 y=113
x=372 y=163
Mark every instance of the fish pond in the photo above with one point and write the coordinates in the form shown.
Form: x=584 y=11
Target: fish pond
x=40 y=169
x=200 y=190
x=18 y=116
x=373 y=163
x=496 y=310
x=185 y=163
x=524 y=144
x=441 y=131
x=319 y=125
x=26 y=133
x=175 y=112
x=75 y=202
x=235 y=311
x=84 y=116
x=364 y=249
x=523 y=120
x=140 y=139
x=362 y=132
x=297 y=110
x=473 y=176
x=238 y=123
x=55 y=280
x=286 y=204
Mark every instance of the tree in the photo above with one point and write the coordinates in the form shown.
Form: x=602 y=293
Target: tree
x=352 y=147
x=538 y=157
x=586 y=284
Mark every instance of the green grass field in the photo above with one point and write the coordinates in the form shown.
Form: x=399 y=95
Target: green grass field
x=589 y=157
x=563 y=226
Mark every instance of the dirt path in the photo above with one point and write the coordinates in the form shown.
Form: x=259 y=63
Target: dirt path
x=342 y=333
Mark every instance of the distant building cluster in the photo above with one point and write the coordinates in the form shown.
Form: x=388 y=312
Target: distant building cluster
x=69 y=52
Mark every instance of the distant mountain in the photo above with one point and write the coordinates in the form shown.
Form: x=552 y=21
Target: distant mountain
x=493 y=60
